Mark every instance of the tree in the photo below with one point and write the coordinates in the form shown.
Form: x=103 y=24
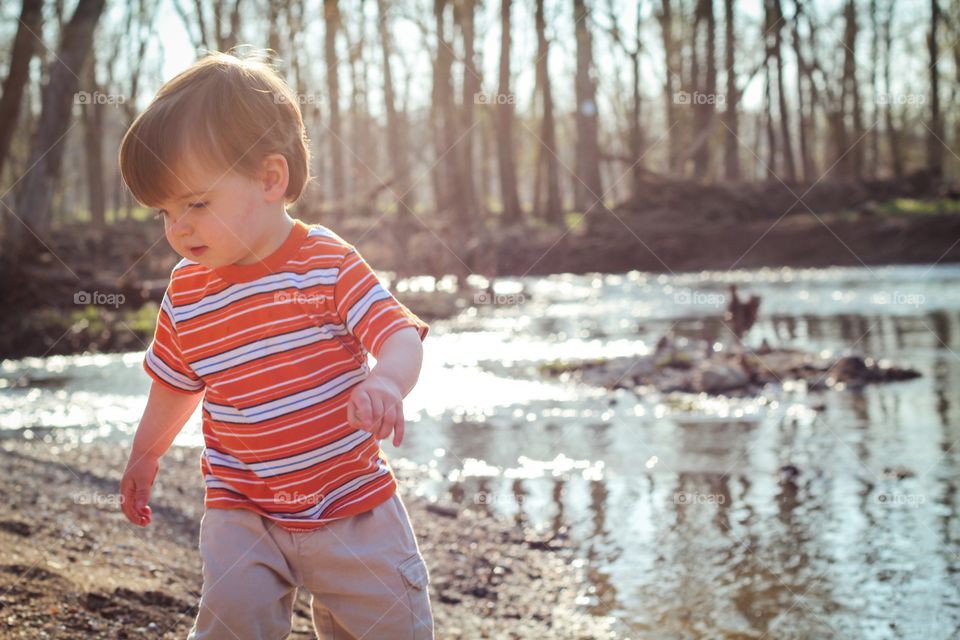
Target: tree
x=33 y=202
x=331 y=18
x=705 y=107
x=465 y=11
x=504 y=109
x=852 y=157
x=731 y=147
x=547 y=150
x=588 y=188
x=777 y=21
x=396 y=127
x=92 y=115
x=24 y=47
x=805 y=99
x=665 y=18
x=893 y=136
x=935 y=130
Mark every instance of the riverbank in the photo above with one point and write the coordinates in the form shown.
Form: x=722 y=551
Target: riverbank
x=72 y=566
x=97 y=291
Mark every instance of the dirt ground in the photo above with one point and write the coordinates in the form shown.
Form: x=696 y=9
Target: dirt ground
x=71 y=566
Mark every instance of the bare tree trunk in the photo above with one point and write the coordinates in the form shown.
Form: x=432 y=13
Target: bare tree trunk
x=503 y=105
x=705 y=108
x=777 y=18
x=226 y=40
x=360 y=156
x=465 y=12
x=772 y=157
x=768 y=61
x=852 y=162
x=637 y=142
x=731 y=149
x=24 y=46
x=331 y=16
x=547 y=150
x=92 y=114
x=804 y=107
x=273 y=33
x=396 y=129
x=893 y=136
x=39 y=183
x=935 y=134
x=665 y=17
x=589 y=188
x=873 y=163
x=448 y=180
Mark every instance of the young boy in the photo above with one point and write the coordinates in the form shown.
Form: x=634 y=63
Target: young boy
x=270 y=320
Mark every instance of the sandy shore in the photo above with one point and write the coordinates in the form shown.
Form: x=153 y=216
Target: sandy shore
x=72 y=567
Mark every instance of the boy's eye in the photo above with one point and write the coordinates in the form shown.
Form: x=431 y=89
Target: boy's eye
x=198 y=205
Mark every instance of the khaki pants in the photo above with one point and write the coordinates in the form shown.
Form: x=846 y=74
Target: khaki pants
x=365 y=573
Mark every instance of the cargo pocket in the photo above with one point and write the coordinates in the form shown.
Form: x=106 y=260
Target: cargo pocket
x=416 y=578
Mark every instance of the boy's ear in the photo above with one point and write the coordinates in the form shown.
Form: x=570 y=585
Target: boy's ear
x=274 y=177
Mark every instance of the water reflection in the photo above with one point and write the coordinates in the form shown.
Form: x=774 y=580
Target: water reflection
x=797 y=514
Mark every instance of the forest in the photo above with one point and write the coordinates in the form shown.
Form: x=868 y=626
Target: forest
x=462 y=137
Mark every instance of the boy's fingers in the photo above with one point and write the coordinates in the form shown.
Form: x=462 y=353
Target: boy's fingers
x=387 y=424
x=376 y=420
x=362 y=409
x=142 y=498
x=400 y=427
x=126 y=498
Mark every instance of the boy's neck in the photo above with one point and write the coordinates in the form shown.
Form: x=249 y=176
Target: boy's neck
x=273 y=238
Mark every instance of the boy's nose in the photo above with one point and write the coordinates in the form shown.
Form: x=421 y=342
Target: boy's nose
x=181 y=229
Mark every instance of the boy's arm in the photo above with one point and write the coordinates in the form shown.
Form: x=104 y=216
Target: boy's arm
x=376 y=404
x=400 y=358
x=163 y=418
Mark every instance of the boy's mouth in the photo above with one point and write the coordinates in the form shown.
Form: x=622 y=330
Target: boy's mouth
x=198 y=250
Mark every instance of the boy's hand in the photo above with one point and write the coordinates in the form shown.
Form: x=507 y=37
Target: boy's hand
x=376 y=405
x=135 y=487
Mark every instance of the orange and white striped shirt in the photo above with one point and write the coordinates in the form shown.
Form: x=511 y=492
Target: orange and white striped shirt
x=277 y=347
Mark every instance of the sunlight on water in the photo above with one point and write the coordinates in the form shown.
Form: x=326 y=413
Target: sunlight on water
x=793 y=513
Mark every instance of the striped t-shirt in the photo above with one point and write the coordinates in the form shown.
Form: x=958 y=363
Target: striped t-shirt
x=277 y=346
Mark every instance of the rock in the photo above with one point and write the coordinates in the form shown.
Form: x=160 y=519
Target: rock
x=717 y=378
x=849 y=369
x=448 y=511
x=898 y=472
x=16 y=527
x=787 y=473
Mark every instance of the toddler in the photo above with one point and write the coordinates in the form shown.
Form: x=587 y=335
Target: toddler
x=269 y=321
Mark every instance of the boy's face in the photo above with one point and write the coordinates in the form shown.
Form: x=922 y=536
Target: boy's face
x=215 y=218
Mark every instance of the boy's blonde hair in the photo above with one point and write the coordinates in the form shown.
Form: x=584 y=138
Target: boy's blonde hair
x=223 y=111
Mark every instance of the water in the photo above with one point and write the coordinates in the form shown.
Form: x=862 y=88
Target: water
x=690 y=525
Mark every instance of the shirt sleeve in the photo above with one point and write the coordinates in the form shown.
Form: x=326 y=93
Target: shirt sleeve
x=164 y=361
x=367 y=308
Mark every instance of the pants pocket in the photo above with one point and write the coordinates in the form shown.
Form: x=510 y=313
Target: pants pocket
x=416 y=579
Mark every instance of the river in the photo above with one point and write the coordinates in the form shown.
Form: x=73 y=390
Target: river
x=796 y=514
